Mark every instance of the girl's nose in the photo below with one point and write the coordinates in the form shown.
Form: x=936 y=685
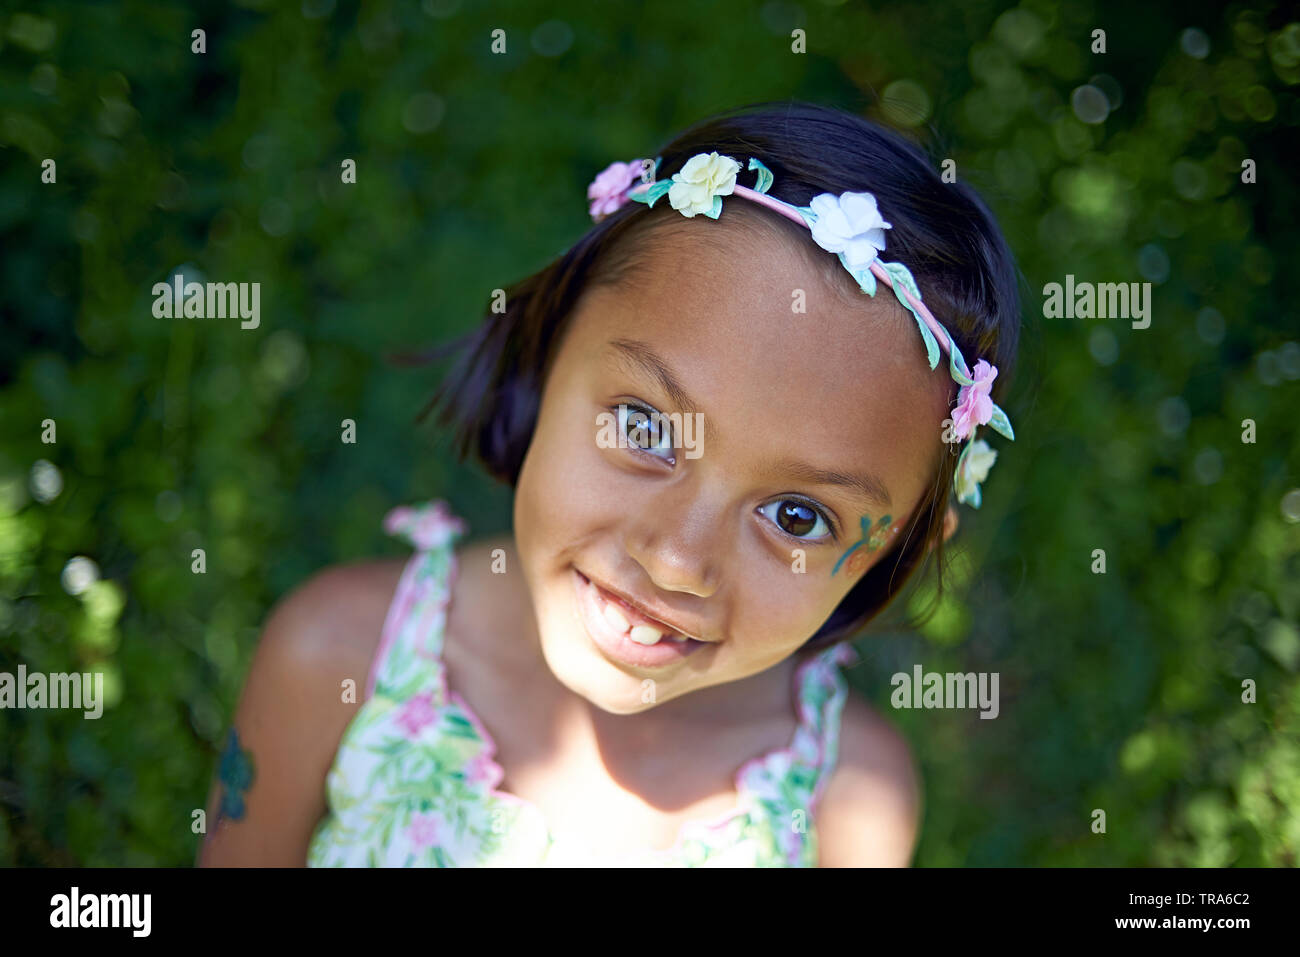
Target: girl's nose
x=678 y=537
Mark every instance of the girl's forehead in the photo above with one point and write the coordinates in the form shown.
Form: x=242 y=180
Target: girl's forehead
x=750 y=304
x=773 y=357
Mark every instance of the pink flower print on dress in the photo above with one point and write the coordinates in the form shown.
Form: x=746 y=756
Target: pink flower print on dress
x=974 y=407
x=416 y=714
x=425 y=830
x=607 y=190
x=480 y=769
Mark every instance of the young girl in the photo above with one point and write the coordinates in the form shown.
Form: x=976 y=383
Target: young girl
x=729 y=453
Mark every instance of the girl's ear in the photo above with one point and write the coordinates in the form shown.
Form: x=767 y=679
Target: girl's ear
x=950 y=523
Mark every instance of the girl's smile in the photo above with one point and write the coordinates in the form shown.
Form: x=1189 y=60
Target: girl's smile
x=624 y=633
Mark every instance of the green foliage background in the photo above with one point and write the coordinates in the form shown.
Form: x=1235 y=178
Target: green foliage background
x=1120 y=692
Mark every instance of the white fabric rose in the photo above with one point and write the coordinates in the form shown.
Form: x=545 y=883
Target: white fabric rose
x=850 y=224
x=704 y=176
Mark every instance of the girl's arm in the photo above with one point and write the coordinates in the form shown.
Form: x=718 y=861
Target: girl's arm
x=268 y=793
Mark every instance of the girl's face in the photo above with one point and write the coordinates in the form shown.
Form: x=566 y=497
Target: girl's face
x=816 y=409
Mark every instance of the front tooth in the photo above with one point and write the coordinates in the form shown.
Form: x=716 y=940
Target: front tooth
x=645 y=635
x=615 y=617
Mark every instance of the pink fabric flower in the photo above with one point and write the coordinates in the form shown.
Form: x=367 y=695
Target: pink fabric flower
x=425 y=830
x=974 y=407
x=607 y=190
x=429 y=527
x=416 y=714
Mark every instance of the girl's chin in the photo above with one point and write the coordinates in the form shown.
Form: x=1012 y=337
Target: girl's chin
x=588 y=676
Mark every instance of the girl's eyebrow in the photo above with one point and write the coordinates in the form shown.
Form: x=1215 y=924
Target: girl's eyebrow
x=868 y=486
x=652 y=364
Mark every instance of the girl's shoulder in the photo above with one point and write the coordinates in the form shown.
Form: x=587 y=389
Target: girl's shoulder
x=870 y=812
x=336 y=617
x=323 y=635
x=334 y=620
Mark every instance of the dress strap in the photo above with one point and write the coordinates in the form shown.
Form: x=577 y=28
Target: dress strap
x=786 y=785
x=408 y=660
x=822 y=694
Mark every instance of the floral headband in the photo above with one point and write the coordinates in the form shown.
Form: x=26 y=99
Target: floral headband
x=849 y=225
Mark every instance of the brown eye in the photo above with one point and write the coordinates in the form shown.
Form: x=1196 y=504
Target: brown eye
x=796 y=518
x=646 y=430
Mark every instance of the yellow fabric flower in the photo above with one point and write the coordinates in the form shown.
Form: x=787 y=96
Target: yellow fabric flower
x=704 y=176
x=974 y=469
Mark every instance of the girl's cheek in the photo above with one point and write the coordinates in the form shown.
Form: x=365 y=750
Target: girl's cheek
x=573 y=475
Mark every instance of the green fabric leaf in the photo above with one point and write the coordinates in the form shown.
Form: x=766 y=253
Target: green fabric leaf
x=957 y=364
x=764 y=176
x=901 y=274
x=931 y=347
x=865 y=278
x=651 y=195
x=901 y=279
x=1001 y=424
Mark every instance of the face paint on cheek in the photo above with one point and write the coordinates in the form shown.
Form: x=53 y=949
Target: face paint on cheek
x=871 y=540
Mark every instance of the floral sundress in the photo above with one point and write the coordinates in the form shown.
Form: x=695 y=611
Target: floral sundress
x=413 y=783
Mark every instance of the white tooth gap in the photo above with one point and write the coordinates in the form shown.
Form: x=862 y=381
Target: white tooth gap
x=615 y=617
x=645 y=635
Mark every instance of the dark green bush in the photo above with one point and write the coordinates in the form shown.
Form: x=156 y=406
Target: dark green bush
x=1120 y=691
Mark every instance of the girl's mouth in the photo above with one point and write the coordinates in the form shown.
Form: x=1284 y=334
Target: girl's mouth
x=608 y=622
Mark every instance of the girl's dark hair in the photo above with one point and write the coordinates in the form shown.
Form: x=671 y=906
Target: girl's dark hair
x=941 y=231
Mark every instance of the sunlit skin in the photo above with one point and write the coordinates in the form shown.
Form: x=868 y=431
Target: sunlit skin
x=843 y=386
